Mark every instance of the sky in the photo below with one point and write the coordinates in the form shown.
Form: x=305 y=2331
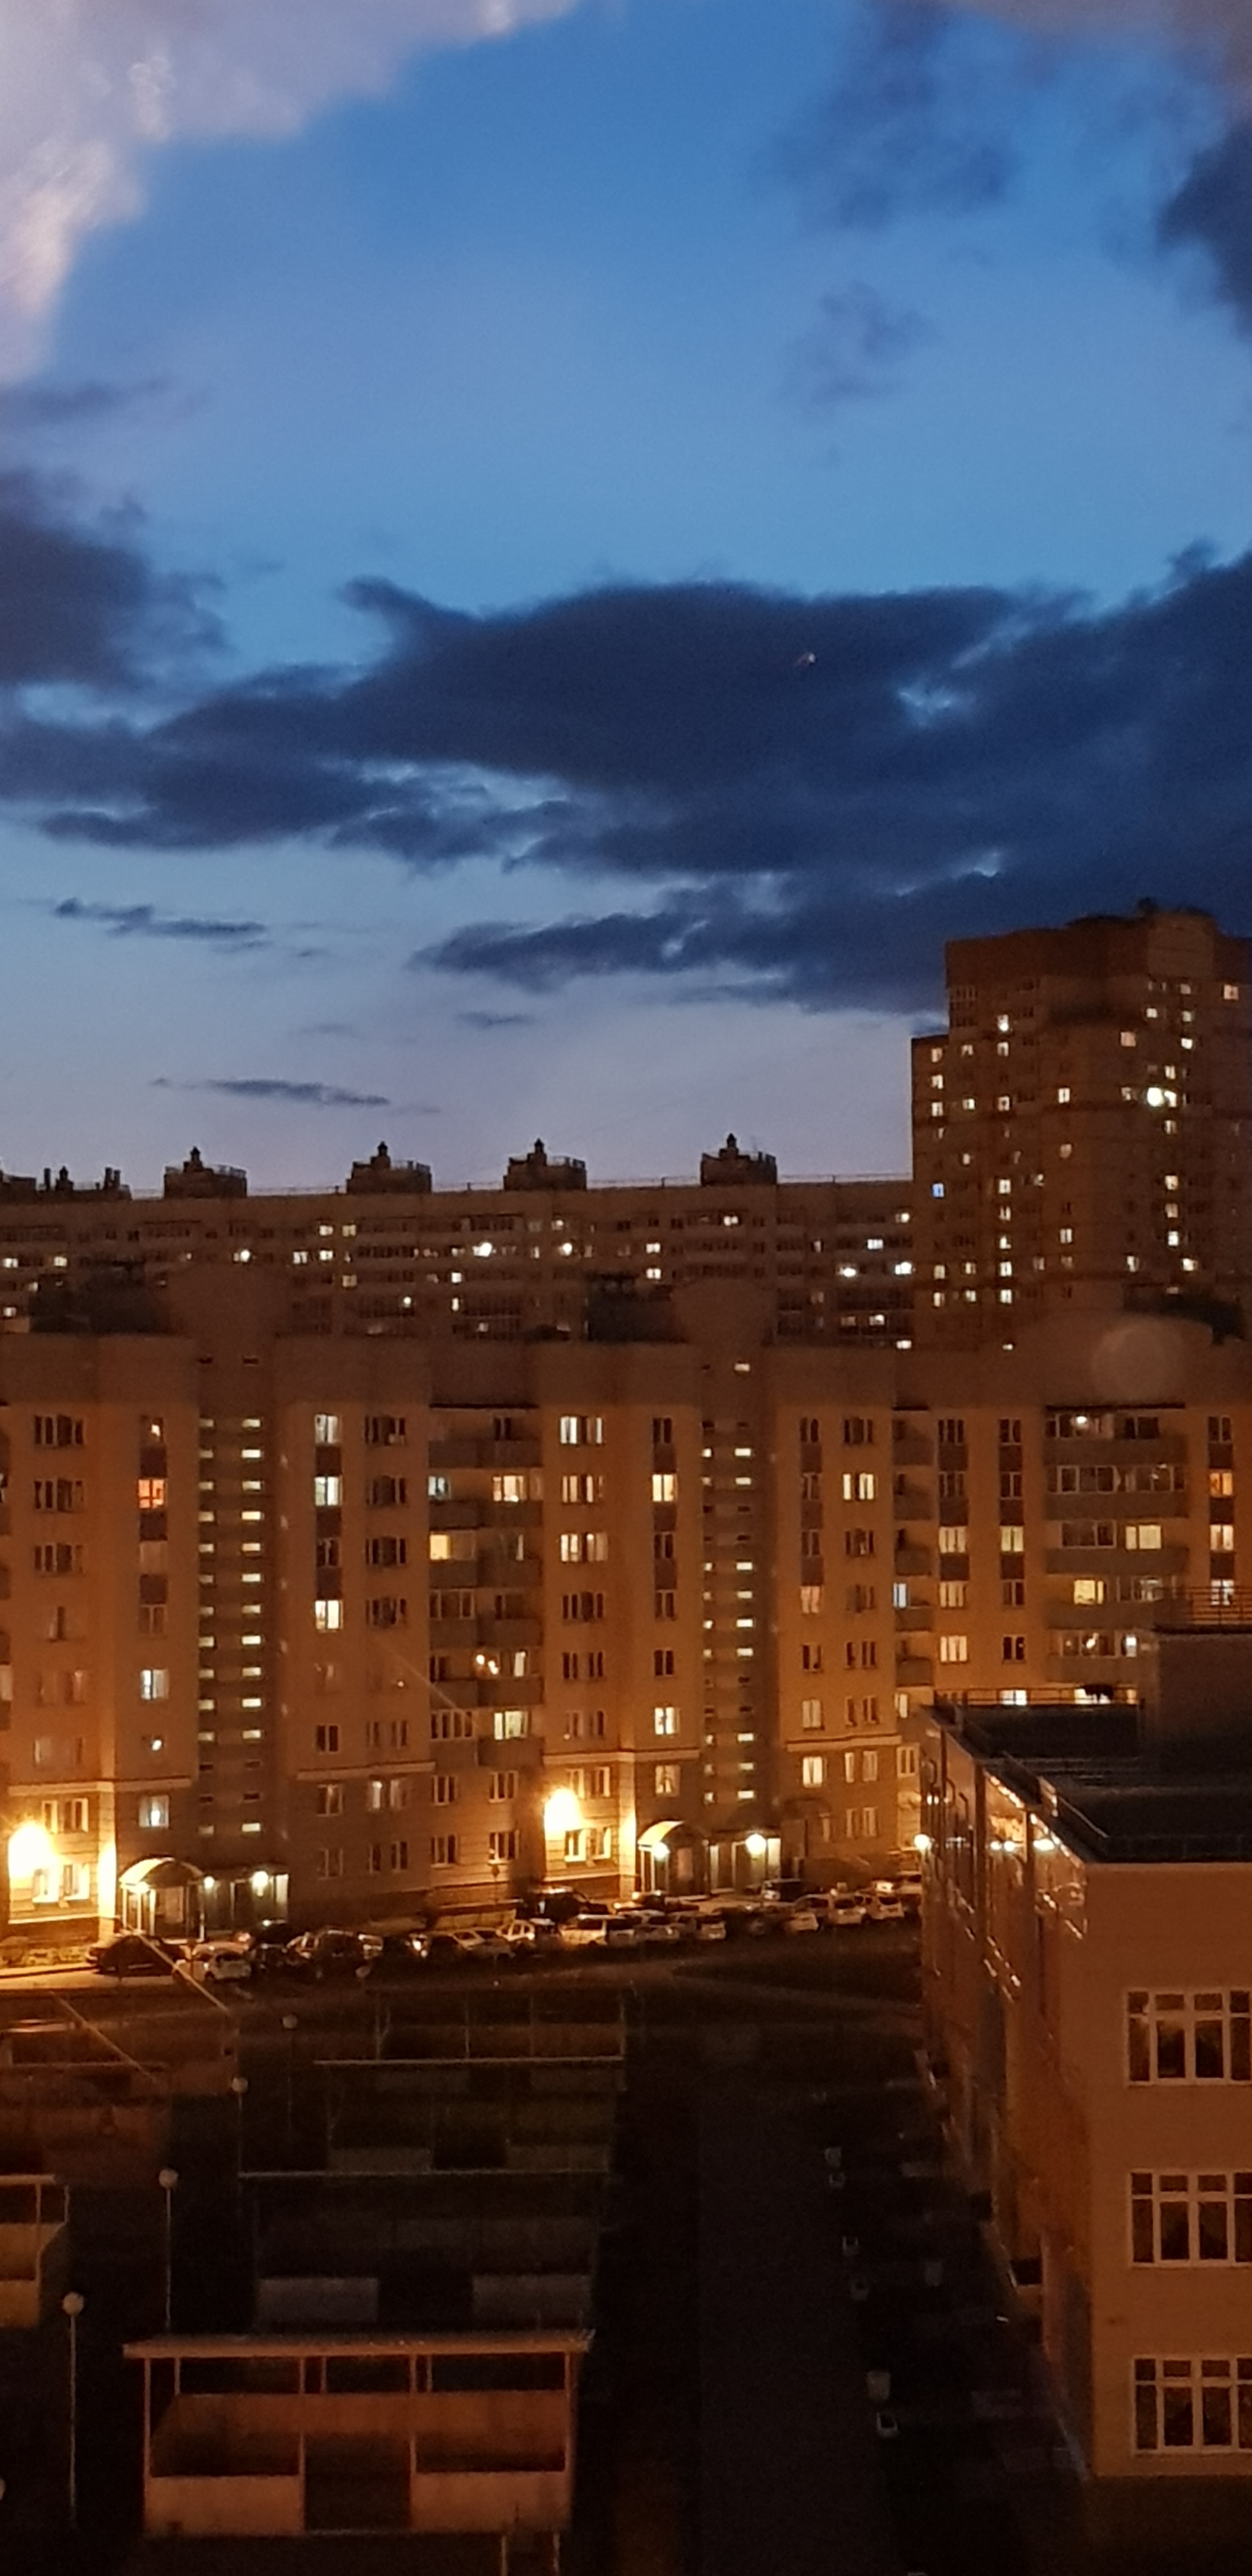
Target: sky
x=552 y=551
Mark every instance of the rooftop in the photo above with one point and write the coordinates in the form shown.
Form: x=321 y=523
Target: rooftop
x=1086 y=1771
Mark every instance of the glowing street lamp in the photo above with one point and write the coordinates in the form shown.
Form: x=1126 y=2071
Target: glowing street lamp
x=562 y=1813
x=31 y=1848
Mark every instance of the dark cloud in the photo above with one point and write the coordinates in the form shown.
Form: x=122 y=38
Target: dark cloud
x=144 y=921
x=302 y=1095
x=916 y=123
x=795 y=795
x=82 y=605
x=1212 y=211
x=853 y=350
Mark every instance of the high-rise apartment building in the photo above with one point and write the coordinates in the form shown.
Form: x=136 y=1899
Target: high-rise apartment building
x=1082 y=1129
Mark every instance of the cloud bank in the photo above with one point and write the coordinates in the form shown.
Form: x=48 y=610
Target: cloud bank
x=88 y=88
x=757 y=791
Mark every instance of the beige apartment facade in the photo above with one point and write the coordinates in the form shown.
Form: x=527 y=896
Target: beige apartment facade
x=341 y=1626
x=1082 y=1128
x=337 y=1627
x=1087 y=1965
x=546 y=1252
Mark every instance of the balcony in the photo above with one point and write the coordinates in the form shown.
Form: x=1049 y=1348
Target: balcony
x=1164 y=1561
x=913 y=1560
x=913 y=1503
x=914 y=1671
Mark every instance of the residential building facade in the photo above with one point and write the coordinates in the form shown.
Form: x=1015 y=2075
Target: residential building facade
x=1081 y=1130
x=1086 y=1966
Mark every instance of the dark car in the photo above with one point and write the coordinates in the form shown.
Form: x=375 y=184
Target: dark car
x=330 y=1953
x=454 y=1950
x=403 y=1954
x=133 y=1954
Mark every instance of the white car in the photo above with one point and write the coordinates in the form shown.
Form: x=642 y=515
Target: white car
x=221 y=1963
x=844 y=1909
x=885 y=1906
x=585 y=1932
x=802 y=1918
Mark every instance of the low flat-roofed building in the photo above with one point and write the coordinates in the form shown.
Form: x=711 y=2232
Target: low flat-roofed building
x=271 y=2436
x=1088 y=1981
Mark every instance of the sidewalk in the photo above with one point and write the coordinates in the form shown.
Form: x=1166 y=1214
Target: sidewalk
x=790 y=2475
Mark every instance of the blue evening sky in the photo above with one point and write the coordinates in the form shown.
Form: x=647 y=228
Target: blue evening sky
x=571 y=308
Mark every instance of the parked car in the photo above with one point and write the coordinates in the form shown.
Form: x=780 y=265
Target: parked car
x=801 y=1917
x=886 y=1905
x=403 y=1954
x=330 y=1953
x=696 y=1920
x=486 y=1949
x=845 y=1909
x=586 y=1931
x=625 y=1929
x=133 y=1954
x=220 y=1961
x=660 y=1929
x=531 y=1936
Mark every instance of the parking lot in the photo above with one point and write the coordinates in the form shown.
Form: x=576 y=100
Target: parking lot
x=803 y=2359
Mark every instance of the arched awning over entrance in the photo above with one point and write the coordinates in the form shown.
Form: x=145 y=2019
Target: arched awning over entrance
x=672 y=1856
x=160 y=1895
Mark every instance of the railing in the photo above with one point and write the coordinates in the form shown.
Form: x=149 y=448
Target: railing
x=1210 y=1605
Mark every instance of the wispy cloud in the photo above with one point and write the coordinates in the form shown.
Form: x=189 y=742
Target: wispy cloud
x=1219 y=30
x=145 y=921
x=854 y=350
x=914 y=123
x=32 y=407
x=299 y=1095
x=488 y=1020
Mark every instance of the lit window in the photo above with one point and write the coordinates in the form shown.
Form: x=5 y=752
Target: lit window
x=154 y=1814
x=154 y=1683
x=327 y=1615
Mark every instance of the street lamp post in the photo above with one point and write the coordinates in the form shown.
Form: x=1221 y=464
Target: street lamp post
x=239 y=2087
x=72 y=2308
x=168 y=2181
x=291 y=2025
